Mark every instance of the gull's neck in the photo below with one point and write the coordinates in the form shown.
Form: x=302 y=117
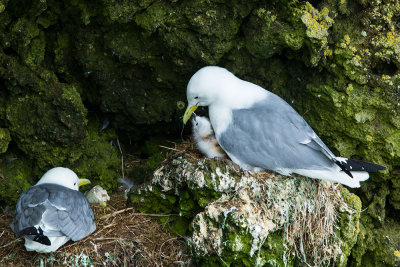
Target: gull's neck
x=241 y=94
x=235 y=95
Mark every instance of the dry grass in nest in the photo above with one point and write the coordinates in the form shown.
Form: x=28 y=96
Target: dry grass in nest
x=187 y=149
x=312 y=233
x=122 y=238
x=310 y=228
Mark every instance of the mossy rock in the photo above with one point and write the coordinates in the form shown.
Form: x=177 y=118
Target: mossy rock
x=51 y=128
x=252 y=219
x=5 y=138
x=16 y=176
x=379 y=247
x=101 y=159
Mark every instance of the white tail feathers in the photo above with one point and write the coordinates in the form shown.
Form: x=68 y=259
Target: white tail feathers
x=336 y=176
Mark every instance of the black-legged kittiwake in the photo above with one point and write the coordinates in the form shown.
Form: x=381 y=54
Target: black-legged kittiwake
x=259 y=130
x=53 y=211
x=204 y=137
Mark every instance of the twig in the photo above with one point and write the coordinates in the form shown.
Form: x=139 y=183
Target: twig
x=105 y=238
x=122 y=159
x=154 y=215
x=12 y=242
x=109 y=242
x=170 y=148
x=105 y=227
x=114 y=213
x=136 y=214
x=183 y=128
x=174 y=238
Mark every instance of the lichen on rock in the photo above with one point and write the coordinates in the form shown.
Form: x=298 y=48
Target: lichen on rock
x=239 y=217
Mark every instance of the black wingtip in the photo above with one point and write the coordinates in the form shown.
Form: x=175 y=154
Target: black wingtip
x=37 y=233
x=350 y=165
x=344 y=168
x=359 y=165
x=42 y=239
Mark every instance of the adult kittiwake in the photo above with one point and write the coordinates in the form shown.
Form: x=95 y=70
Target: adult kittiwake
x=259 y=130
x=204 y=137
x=53 y=211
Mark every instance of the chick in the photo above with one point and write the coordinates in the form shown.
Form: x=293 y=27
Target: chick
x=204 y=137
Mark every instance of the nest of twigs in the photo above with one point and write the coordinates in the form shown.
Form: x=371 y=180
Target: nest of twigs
x=123 y=238
x=310 y=230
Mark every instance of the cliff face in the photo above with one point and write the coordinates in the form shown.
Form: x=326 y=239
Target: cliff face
x=64 y=66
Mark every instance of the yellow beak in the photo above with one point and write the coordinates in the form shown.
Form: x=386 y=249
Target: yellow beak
x=188 y=113
x=83 y=182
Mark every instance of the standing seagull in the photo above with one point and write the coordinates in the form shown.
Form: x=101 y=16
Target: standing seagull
x=259 y=130
x=53 y=211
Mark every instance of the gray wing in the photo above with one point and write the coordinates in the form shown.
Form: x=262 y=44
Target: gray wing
x=66 y=212
x=272 y=135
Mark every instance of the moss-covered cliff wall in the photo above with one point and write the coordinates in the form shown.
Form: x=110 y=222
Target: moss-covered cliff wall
x=67 y=65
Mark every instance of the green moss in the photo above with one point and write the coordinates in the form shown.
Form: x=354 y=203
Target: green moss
x=23 y=31
x=272 y=253
x=153 y=155
x=149 y=201
x=349 y=225
x=100 y=161
x=142 y=172
x=49 y=127
x=124 y=11
x=2 y=7
x=378 y=247
x=47 y=19
x=35 y=54
x=5 y=138
x=179 y=225
x=16 y=176
x=154 y=16
x=273 y=36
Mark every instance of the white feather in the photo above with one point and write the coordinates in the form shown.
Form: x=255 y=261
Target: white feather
x=336 y=176
x=56 y=242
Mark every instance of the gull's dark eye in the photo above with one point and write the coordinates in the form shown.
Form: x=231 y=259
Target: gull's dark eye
x=197 y=123
x=196 y=97
x=74 y=183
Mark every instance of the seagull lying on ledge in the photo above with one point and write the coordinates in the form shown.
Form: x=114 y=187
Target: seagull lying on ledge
x=53 y=211
x=259 y=130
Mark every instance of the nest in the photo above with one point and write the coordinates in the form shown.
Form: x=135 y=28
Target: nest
x=122 y=238
x=311 y=228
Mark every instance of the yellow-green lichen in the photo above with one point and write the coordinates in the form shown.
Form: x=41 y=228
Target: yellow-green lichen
x=5 y=139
